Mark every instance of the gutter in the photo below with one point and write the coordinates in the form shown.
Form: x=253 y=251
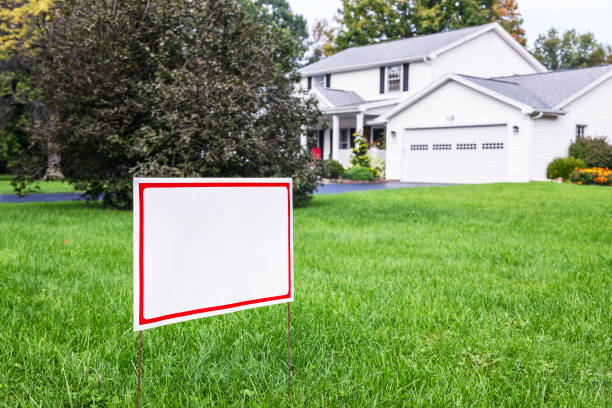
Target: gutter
x=538 y=113
x=334 y=111
x=349 y=68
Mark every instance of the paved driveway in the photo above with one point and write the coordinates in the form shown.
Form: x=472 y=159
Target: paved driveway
x=330 y=188
x=40 y=198
x=336 y=188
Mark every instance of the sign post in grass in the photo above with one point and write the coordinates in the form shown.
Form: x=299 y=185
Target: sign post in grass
x=204 y=247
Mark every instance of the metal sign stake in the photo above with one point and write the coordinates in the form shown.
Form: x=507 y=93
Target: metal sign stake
x=139 y=355
x=289 y=348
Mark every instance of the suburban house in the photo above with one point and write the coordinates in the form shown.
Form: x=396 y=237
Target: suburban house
x=463 y=106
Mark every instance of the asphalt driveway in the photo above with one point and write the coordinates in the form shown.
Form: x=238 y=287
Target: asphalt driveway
x=337 y=188
x=329 y=188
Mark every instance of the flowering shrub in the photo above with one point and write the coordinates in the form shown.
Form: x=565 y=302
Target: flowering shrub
x=594 y=175
x=360 y=156
x=378 y=165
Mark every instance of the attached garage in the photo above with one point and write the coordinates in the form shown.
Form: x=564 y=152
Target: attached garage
x=467 y=154
x=463 y=129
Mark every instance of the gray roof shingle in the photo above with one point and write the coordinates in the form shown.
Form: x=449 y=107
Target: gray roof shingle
x=544 y=90
x=388 y=51
x=340 y=98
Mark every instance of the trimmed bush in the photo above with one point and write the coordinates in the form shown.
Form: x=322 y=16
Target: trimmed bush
x=595 y=151
x=359 y=173
x=595 y=175
x=563 y=167
x=330 y=169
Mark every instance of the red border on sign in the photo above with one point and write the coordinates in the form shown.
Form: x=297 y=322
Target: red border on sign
x=141 y=189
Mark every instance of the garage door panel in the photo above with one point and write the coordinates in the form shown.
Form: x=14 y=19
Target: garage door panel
x=455 y=155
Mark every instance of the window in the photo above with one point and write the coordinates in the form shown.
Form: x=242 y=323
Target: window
x=347 y=140
x=418 y=147
x=319 y=81
x=492 y=146
x=394 y=78
x=442 y=147
x=580 y=131
x=466 y=146
x=378 y=138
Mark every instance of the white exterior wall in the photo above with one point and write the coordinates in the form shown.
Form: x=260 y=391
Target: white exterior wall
x=487 y=55
x=365 y=82
x=553 y=136
x=469 y=108
x=419 y=76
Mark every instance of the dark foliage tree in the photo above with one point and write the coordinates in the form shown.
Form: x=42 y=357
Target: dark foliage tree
x=169 y=88
x=570 y=50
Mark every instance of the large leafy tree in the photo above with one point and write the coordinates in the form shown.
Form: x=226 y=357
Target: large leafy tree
x=570 y=50
x=19 y=31
x=169 y=88
x=322 y=35
x=371 y=21
x=292 y=32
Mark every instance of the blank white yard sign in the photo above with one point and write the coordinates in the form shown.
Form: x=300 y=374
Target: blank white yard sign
x=204 y=247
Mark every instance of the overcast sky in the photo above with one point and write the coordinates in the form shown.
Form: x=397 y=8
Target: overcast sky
x=539 y=15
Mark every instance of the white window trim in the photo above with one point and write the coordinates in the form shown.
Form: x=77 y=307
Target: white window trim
x=401 y=75
x=581 y=127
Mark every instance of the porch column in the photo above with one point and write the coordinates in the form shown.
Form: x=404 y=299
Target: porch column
x=359 y=127
x=335 y=137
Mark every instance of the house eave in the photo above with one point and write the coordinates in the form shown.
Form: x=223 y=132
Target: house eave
x=349 y=68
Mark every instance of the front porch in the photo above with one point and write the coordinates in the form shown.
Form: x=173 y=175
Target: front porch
x=335 y=136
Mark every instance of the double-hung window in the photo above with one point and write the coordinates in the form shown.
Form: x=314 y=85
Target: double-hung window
x=394 y=78
x=347 y=140
x=580 y=131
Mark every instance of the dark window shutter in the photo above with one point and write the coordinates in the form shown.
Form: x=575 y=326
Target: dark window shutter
x=406 y=69
x=309 y=83
x=352 y=137
x=382 y=80
x=328 y=81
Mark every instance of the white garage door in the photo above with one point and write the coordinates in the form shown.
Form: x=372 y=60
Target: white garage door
x=455 y=155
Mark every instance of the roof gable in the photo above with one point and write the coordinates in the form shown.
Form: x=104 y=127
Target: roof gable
x=410 y=49
x=390 y=51
x=544 y=92
x=337 y=98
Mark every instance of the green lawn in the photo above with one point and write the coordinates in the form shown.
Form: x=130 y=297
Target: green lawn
x=43 y=186
x=463 y=296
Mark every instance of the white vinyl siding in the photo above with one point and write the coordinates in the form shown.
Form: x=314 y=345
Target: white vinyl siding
x=553 y=136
